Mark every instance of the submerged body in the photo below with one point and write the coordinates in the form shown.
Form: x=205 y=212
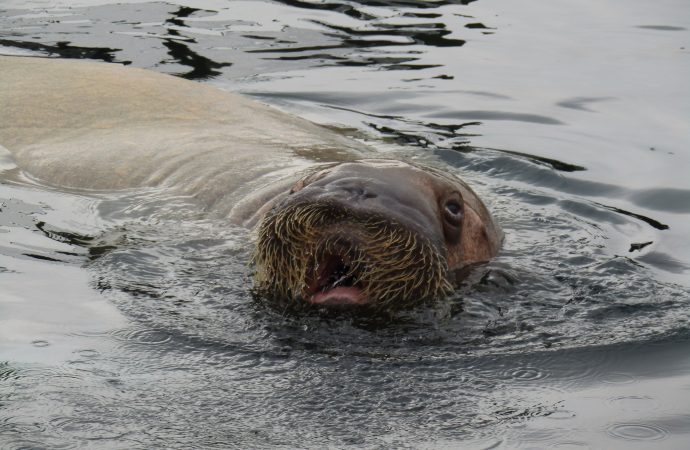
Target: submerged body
x=334 y=226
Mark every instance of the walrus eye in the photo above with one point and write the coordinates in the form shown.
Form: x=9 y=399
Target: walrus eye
x=452 y=212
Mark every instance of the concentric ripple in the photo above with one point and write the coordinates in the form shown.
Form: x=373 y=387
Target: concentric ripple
x=141 y=336
x=637 y=432
x=634 y=403
x=525 y=374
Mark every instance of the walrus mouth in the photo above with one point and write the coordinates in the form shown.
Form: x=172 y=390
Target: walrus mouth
x=328 y=255
x=335 y=282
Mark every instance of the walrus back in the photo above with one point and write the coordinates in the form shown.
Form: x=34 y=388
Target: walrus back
x=105 y=126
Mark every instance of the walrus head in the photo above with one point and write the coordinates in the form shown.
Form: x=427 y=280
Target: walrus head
x=377 y=233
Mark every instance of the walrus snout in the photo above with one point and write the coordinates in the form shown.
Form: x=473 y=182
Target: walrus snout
x=355 y=189
x=389 y=197
x=325 y=253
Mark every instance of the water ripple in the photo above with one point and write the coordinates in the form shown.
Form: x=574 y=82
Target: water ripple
x=86 y=429
x=634 y=403
x=637 y=432
x=204 y=365
x=88 y=353
x=571 y=445
x=20 y=443
x=617 y=378
x=525 y=374
x=141 y=336
x=40 y=343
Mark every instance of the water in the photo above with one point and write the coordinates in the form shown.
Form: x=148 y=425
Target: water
x=123 y=326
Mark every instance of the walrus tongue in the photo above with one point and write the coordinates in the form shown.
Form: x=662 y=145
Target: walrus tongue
x=341 y=295
x=334 y=285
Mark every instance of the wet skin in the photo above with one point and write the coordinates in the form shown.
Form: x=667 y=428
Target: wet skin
x=432 y=207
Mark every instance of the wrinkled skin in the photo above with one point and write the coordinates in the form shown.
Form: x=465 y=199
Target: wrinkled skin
x=379 y=233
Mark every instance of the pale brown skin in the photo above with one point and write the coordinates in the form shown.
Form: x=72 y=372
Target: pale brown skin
x=97 y=126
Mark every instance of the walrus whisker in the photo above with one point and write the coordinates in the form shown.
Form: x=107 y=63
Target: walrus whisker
x=383 y=257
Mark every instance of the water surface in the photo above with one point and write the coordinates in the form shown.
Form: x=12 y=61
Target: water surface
x=123 y=326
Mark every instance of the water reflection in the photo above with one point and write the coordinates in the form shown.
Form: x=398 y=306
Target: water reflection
x=202 y=67
x=569 y=339
x=64 y=49
x=348 y=9
x=582 y=103
x=368 y=38
x=498 y=115
x=662 y=27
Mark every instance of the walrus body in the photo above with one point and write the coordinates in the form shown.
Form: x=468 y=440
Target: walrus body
x=333 y=225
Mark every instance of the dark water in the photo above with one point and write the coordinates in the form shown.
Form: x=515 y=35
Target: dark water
x=122 y=327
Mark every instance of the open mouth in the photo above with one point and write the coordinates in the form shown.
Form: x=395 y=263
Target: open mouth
x=335 y=283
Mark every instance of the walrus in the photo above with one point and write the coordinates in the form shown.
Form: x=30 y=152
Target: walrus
x=334 y=224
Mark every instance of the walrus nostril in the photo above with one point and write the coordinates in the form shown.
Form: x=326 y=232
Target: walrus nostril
x=359 y=192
